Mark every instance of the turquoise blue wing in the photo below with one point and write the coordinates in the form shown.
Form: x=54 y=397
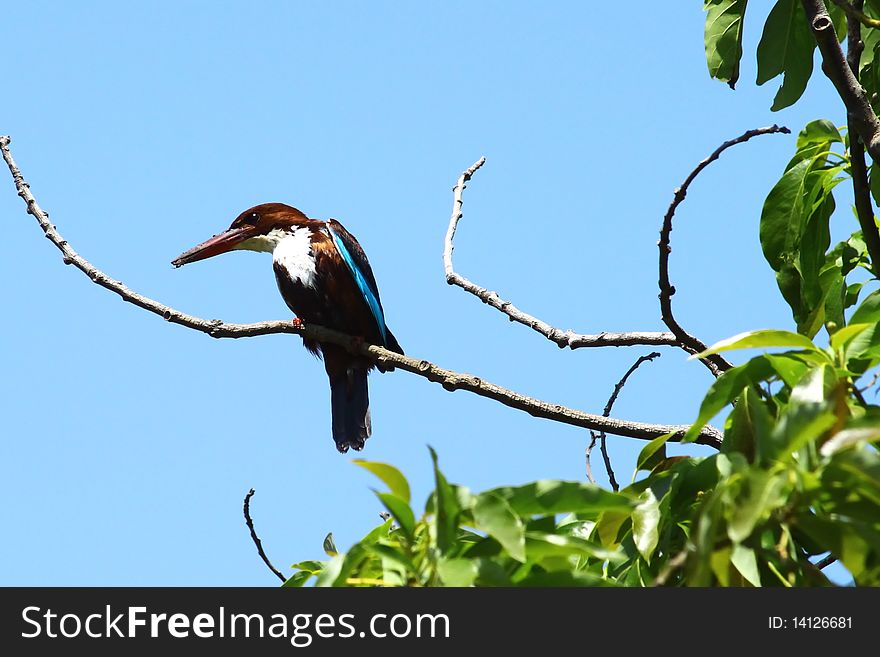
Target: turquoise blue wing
x=356 y=261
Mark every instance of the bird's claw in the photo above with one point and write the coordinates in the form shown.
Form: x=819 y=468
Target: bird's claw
x=298 y=323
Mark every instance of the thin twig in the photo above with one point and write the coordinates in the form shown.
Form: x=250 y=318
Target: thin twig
x=606 y=412
x=854 y=11
x=717 y=364
x=835 y=67
x=871 y=384
x=255 y=538
x=562 y=338
x=449 y=379
x=861 y=188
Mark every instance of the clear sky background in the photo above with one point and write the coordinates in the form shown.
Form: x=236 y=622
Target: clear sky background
x=144 y=128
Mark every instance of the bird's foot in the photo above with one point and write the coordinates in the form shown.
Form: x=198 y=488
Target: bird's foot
x=298 y=323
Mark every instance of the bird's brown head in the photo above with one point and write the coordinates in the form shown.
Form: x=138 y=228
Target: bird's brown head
x=256 y=229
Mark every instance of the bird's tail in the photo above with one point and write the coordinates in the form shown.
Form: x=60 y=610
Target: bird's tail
x=350 y=409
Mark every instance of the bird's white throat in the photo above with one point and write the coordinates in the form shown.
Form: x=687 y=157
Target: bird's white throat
x=292 y=249
x=264 y=243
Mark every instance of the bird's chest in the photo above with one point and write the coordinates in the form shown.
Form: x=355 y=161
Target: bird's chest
x=297 y=261
x=294 y=260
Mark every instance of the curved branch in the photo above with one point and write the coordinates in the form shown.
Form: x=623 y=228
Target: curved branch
x=717 y=364
x=255 y=538
x=562 y=338
x=449 y=379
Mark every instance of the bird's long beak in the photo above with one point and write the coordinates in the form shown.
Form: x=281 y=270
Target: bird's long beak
x=222 y=243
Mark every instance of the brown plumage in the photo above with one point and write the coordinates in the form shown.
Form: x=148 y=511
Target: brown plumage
x=325 y=278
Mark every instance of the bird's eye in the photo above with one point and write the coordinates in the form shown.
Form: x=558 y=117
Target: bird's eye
x=252 y=218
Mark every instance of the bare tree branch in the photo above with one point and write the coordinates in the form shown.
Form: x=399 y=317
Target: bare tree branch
x=861 y=188
x=255 y=538
x=449 y=379
x=562 y=338
x=717 y=364
x=605 y=413
x=835 y=67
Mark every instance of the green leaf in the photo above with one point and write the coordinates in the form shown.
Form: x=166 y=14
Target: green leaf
x=730 y=385
x=795 y=234
x=390 y=476
x=331 y=572
x=393 y=560
x=746 y=563
x=807 y=416
x=819 y=277
x=647 y=457
x=297 y=580
x=791 y=365
x=849 y=254
x=723 y=38
x=783 y=215
x=491 y=573
x=645 y=522
x=874 y=182
x=844 y=336
x=541 y=545
x=868 y=311
x=833 y=284
x=608 y=527
x=546 y=496
x=457 y=572
x=815 y=138
x=400 y=511
x=840 y=538
x=719 y=562
x=762 y=493
x=757 y=339
x=330 y=546
x=311 y=566
x=493 y=515
x=869 y=76
x=446 y=510
x=378 y=533
x=750 y=425
x=786 y=48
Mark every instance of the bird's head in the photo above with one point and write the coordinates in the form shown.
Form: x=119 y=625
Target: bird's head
x=258 y=229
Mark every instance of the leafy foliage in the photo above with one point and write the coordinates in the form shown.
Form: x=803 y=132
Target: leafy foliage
x=798 y=476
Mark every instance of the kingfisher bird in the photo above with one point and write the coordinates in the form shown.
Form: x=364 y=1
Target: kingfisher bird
x=325 y=278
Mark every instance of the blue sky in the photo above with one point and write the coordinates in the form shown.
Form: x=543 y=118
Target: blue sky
x=128 y=444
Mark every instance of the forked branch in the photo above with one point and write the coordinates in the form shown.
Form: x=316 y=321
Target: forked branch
x=562 y=338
